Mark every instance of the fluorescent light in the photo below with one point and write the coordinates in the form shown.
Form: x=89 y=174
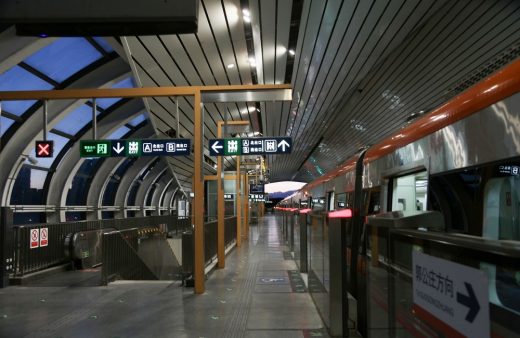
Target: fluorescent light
x=231 y=65
x=291 y=52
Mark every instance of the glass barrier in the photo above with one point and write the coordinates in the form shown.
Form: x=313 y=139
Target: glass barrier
x=389 y=263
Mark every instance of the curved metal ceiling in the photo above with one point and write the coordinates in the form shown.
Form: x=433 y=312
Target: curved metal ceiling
x=360 y=70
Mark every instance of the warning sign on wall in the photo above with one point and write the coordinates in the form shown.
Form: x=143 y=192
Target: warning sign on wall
x=44 y=237
x=34 y=238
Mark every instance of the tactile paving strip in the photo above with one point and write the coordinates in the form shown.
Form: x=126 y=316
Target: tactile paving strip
x=296 y=280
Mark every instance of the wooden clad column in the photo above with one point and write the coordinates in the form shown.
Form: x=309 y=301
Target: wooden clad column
x=220 y=208
x=238 y=204
x=198 y=202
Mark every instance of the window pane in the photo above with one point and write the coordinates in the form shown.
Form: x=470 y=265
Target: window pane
x=118 y=133
x=105 y=103
x=28 y=187
x=6 y=123
x=18 y=78
x=76 y=120
x=71 y=216
x=59 y=143
x=103 y=43
x=20 y=218
x=64 y=57
x=137 y=120
x=77 y=194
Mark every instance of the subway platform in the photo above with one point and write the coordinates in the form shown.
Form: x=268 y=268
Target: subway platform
x=260 y=293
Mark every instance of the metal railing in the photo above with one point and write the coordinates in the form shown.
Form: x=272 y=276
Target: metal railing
x=27 y=260
x=210 y=237
x=120 y=257
x=210 y=243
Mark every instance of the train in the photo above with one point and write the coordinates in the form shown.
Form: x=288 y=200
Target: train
x=460 y=161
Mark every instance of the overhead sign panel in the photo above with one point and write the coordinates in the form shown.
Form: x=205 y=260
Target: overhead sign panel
x=250 y=146
x=44 y=148
x=451 y=296
x=134 y=148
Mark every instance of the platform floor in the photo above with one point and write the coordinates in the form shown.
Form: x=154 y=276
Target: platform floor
x=259 y=294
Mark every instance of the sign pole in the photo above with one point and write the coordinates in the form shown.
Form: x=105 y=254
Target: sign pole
x=94 y=119
x=220 y=208
x=45 y=120
x=198 y=202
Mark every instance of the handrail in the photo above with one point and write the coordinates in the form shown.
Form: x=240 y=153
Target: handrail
x=497 y=247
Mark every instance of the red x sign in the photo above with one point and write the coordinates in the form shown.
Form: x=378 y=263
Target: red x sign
x=44 y=148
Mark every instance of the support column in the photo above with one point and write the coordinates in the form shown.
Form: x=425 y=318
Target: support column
x=198 y=202
x=245 y=204
x=220 y=209
x=238 y=204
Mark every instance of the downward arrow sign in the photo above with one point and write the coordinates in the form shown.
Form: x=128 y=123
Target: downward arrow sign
x=283 y=144
x=470 y=301
x=118 y=149
x=216 y=147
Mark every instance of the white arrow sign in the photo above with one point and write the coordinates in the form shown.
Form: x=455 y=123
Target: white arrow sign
x=216 y=146
x=453 y=296
x=118 y=148
x=283 y=144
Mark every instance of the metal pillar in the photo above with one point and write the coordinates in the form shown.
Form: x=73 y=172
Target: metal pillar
x=239 y=207
x=220 y=209
x=245 y=201
x=198 y=202
x=304 y=267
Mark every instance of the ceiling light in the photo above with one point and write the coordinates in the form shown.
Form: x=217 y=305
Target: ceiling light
x=246 y=12
x=291 y=52
x=247 y=18
x=252 y=62
x=231 y=65
x=258 y=110
x=281 y=49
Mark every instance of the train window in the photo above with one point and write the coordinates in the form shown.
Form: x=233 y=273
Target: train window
x=341 y=201
x=330 y=201
x=372 y=201
x=501 y=208
x=318 y=203
x=409 y=192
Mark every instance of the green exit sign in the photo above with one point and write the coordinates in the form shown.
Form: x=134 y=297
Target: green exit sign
x=232 y=146
x=94 y=148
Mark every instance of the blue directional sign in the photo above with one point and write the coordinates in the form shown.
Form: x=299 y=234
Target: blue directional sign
x=250 y=146
x=134 y=148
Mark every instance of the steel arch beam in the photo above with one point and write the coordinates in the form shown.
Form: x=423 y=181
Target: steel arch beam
x=31 y=129
x=159 y=191
x=105 y=172
x=144 y=188
x=67 y=168
x=14 y=49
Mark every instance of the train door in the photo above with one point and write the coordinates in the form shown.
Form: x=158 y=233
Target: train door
x=409 y=192
x=501 y=222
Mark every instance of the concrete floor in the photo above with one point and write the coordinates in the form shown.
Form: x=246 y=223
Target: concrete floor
x=257 y=295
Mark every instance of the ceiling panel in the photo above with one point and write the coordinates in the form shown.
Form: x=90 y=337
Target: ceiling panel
x=360 y=69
